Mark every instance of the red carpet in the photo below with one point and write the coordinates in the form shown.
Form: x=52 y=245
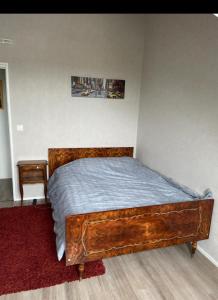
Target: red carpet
x=27 y=251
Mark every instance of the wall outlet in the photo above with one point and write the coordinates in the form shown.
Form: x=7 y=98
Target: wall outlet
x=6 y=41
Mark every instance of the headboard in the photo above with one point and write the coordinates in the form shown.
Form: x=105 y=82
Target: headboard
x=61 y=156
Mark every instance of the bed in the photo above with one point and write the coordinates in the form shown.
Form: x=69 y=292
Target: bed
x=91 y=232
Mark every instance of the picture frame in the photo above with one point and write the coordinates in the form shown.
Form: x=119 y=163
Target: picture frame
x=91 y=87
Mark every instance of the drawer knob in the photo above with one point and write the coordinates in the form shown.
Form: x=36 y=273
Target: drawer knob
x=37 y=167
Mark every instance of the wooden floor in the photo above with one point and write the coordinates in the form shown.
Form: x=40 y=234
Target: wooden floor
x=168 y=273
x=6 y=193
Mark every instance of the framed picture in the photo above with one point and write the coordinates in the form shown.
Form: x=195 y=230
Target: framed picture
x=97 y=87
x=1 y=94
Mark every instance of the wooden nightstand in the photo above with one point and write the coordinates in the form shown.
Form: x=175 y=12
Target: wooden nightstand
x=32 y=171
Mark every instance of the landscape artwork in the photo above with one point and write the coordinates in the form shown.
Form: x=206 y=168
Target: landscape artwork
x=97 y=87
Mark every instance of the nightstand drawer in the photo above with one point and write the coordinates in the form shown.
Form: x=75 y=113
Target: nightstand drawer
x=29 y=168
x=31 y=175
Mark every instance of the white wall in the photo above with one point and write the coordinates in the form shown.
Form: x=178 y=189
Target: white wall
x=178 y=120
x=5 y=162
x=47 y=50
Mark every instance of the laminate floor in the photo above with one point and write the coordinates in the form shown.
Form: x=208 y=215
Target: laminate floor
x=6 y=193
x=168 y=273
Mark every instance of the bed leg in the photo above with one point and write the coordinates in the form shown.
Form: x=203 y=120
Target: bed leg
x=193 y=248
x=81 y=271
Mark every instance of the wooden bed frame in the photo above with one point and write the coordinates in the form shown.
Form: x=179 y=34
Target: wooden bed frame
x=98 y=235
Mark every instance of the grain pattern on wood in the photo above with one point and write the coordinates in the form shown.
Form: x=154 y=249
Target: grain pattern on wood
x=98 y=235
x=60 y=156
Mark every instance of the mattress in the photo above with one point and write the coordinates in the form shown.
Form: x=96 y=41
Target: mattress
x=109 y=183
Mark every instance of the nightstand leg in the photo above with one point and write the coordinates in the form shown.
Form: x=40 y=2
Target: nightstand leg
x=45 y=192
x=21 y=193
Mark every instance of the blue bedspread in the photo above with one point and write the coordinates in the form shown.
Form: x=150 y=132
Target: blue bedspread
x=98 y=184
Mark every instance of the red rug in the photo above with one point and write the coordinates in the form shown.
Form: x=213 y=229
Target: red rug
x=28 y=254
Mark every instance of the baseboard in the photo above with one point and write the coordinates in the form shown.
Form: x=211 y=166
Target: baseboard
x=208 y=256
x=29 y=198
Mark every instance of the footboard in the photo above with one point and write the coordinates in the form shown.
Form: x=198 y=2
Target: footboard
x=99 y=235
